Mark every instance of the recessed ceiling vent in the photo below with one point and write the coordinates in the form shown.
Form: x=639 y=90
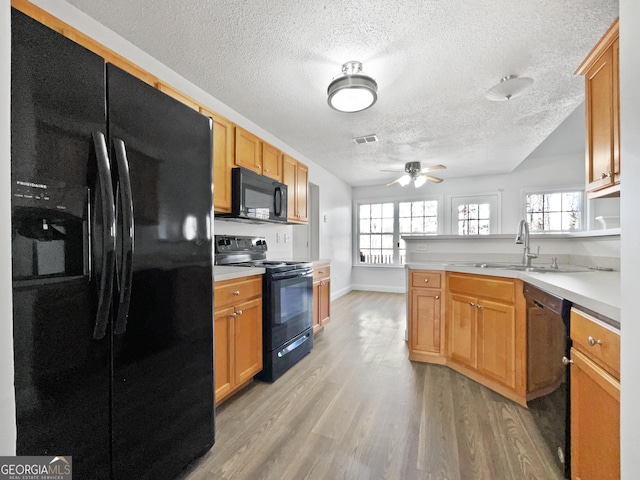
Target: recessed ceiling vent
x=366 y=139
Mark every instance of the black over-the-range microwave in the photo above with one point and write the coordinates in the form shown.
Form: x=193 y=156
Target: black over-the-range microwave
x=256 y=198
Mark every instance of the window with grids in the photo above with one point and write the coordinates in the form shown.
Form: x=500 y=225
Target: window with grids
x=376 y=232
x=474 y=218
x=380 y=226
x=417 y=218
x=554 y=211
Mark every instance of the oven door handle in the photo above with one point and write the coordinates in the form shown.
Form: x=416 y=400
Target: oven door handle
x=292 y=274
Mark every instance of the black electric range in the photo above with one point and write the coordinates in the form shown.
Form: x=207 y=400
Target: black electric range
x=287 y=301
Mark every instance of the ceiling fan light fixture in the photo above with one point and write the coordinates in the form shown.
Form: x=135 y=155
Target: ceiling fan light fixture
x=419 y=181
x=352 y=90
x=510 y=87
x=404 y=180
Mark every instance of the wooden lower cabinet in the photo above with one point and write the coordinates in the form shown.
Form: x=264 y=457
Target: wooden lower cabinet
x=426 y=330
x=486 y=332
x=595 y=400
x=321 y=296
x=237 y=334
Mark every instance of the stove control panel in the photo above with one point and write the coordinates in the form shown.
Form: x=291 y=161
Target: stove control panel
x=233 y=244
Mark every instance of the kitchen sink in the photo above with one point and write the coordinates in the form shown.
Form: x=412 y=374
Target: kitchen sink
x=541 y=269
x=523 y=268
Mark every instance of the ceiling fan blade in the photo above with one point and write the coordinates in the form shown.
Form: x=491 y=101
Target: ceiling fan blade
x=432 y=168
x=394 y=171
x=433 y=179
x=395 y=181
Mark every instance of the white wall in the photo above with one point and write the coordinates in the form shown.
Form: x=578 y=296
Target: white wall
x=7 y=406
x=630 y=196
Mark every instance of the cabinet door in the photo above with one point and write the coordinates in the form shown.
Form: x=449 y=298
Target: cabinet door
x=223 y=365
x=424 y=331
x=324 y=302
x=248 y=151
x=289 y=172
x=248 y=340
x=271 y=162
x=595 y=421
x=496 y=341
x=599 y=81
x=462 y=330
x=223 y=148
x=616 y=112
x=302 y=188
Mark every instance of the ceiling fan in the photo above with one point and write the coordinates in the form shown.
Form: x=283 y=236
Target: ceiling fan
x=415 y=172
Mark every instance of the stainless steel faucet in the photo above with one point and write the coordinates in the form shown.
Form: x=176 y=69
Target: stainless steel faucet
x=522 y=237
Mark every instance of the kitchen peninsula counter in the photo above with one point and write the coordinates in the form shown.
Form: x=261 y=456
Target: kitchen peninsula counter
x=598 y=291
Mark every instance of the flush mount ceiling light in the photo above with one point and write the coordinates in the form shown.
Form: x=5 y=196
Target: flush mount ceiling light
x=352 y=90
x=509 y=88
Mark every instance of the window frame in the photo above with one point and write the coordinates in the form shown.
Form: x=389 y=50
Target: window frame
x=495 y=204
x=548 y=190
x=396 y=226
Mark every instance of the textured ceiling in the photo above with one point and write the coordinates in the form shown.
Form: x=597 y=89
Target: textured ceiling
x=272 y=61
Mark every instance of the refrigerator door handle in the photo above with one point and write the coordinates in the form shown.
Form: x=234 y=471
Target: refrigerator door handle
x=126 y=200
x=108 y=236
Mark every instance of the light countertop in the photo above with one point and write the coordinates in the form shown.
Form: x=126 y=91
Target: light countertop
x=594 y=290
x=223 y=272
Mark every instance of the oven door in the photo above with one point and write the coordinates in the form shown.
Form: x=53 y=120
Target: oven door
x=289 y=308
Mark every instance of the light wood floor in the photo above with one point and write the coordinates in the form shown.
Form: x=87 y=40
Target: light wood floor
x=356 y=408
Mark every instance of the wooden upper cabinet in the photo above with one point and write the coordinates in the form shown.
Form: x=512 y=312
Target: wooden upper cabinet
x=248 y=150
x=296 y=176
x=602 y=105
x=271 y=161
x=178 y=95
x=223 y=149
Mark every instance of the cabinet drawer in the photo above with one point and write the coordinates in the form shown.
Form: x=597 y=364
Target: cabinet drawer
x=486 y=287
x=230 y=292
x=597 y=341
x=321 y=272
x=425 y=279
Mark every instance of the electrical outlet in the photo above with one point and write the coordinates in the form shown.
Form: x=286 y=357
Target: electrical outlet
x=278 y=238
x=421 y=247
x=325 y=219
x=286 y=238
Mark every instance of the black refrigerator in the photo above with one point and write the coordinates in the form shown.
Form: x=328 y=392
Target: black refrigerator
x=112 y=264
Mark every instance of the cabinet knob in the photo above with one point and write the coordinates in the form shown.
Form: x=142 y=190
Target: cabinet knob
x=566 y=361
x=605 y=175
x=321 y=272
x=239 y=312
x=266 y=169
x=479 y=306
x=233 y=315
x=426 y=280
x=472 y=304
x=593 y=342
x=437 y=297
x=236 y=293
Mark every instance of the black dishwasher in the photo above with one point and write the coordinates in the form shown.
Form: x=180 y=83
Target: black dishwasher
x=548 y=396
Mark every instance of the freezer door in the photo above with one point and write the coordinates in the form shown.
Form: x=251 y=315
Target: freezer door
x=163 y=360
x=61 y=373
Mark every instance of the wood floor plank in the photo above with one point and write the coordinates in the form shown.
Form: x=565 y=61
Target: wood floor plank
x=356 y=408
